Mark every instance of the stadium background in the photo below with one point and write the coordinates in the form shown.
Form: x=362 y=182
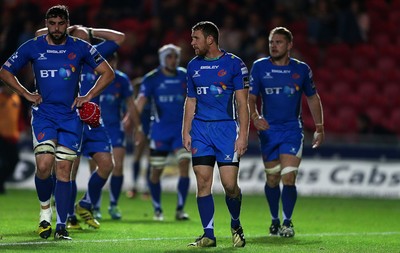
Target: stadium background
x=351 y=46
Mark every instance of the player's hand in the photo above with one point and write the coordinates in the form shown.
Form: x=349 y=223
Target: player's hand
x=187 y=142
x=79 y=101
x=260 y=123
x=318 y=138
x=241 y=146
x=35 y=98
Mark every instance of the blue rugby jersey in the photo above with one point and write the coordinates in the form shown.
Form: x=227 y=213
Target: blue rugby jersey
x=57 y=71
x=112 y=99
x=89 y=76
x=167 y=95
x=281 y=89
x=213 y=83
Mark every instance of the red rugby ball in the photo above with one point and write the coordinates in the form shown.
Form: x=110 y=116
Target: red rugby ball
x=89 y=113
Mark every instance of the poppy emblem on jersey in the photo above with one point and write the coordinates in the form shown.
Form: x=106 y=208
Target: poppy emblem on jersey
x=89 y=113
x=40 y=136
x=72 y=56
x=221 y=73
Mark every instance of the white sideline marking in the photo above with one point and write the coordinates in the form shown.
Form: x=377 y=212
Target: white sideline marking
x=181 y=238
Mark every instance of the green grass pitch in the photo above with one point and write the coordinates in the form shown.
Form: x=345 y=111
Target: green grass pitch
x=322 y=224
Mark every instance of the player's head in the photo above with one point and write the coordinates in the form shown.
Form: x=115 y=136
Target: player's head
x=280 y=43
x=169 y=56
x=204 y=35
x=57 y=21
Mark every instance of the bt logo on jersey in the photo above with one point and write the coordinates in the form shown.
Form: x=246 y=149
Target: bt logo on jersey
x=202 y=90
x=273 y=90
x=44 y=73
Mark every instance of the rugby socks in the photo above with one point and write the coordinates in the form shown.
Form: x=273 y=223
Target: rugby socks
x=234 y=206
x=63 y=196
x=289 y=197
x=74 y=192
x=93 y=193
x=183 y=189
x=155 y=191
x=206 y=210
x=115 y=189
x=273 y=195
x=44 y=188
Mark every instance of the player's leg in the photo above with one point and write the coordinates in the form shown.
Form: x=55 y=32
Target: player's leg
x=96 y=182
x=44 y=187
x=158 y=160
x=183 y=157
x=44 y=148
x=116 y=181
x=290 y=164
x=62 y=193
x=203 y=161
x=270 y=154
x=96 y=206
x=203 y=168
x=72 y=222
x=137 y=156
x=290 y=157
x=272 y=192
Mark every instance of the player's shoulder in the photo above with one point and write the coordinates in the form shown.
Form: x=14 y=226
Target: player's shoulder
x=151 y=74
x=181 y=70
x=232 y=57
x=299 y=64
x=262 y=61
x=120 y=74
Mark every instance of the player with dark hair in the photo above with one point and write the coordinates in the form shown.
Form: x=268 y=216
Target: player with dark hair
x=57 y=60
x=216 y=127
x=280 y=81
x=165 y=88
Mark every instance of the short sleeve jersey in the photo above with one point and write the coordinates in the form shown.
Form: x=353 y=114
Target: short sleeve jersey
x=213 y=83
x=57 y=70
x=89 y=76
x=281 y=89
x=167 y=95
x=112 y=99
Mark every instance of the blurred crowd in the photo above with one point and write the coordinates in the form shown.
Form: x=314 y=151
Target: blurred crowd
x=244 y=26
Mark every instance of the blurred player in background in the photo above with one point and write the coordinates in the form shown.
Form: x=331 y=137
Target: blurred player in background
x=280 y=81
x=141 y=149
x=114 y=101
x=216 y=127
x=10 y=130
x=57 y=60
x=165 y=88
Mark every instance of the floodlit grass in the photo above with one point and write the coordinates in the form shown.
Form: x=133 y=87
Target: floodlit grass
x=321 y=225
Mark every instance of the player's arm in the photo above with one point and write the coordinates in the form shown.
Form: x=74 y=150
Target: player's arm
x=188 y=115
x=258 y=120
x=107 y=34
x=134 y=117
x=141 y=101
x=106 y=75
x=315 y=105
x=244 y=120
x=12 y=81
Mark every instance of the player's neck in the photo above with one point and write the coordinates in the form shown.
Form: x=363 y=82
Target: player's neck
x=284 y=61
x=50 y=41
x=213 y=55
x=168 y=72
